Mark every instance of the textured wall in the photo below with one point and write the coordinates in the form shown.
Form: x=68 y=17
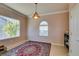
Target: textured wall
x=57 y=25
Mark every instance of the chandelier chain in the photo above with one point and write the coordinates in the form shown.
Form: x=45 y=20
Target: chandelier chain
x=35 y=7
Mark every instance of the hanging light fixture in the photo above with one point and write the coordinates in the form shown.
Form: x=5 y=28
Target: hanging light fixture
x=36 y=15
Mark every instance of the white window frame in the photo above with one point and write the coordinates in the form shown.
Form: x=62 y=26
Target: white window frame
x=8 y=37
x=43 y=24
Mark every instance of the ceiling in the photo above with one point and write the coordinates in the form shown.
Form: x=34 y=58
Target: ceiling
x=42 y=8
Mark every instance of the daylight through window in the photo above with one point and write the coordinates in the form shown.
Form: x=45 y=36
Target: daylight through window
x=9 y=28
x=43 y=28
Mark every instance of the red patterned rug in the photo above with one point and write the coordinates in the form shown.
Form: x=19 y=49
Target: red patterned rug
x=30 y=48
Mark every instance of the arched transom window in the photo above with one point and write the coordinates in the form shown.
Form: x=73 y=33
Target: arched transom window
x=43 y=28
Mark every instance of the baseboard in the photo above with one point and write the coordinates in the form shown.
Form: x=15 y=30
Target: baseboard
x=59 y=44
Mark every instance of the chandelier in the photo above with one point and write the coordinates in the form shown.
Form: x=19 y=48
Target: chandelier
x=35 y=15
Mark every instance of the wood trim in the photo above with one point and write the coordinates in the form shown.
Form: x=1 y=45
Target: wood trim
x=57 y=12
x=59 y=44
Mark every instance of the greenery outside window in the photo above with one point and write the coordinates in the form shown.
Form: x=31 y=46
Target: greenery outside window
x=9 y=28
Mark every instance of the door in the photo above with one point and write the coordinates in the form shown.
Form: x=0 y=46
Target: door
x=74 y=31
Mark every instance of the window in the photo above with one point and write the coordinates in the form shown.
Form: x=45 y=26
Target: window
x=43 y=28
x=9 y=28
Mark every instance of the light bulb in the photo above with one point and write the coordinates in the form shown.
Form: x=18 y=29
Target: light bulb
x=36 y=16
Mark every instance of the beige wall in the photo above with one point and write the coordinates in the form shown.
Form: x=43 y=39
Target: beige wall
x=11 y=43
x=57 y=25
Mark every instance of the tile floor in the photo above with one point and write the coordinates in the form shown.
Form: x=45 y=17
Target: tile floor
x=58 y=50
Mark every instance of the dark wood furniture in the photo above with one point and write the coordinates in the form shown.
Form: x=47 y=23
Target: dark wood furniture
x=3 y=49
x=66 y=40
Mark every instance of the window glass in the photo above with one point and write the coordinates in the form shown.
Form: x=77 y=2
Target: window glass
x=43 y=28
x=9 y=28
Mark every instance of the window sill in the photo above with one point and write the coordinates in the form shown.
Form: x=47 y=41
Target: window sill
x=9 y=38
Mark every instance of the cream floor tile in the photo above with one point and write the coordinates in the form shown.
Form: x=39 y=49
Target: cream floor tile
x=58 y=51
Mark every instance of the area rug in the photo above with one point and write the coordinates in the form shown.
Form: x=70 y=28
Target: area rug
x=30 y=48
